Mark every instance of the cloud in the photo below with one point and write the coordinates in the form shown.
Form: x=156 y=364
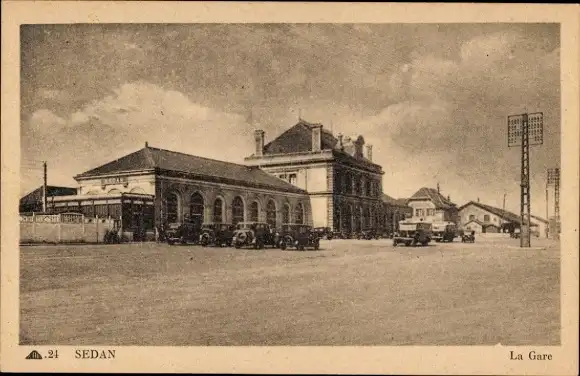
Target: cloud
x=52 y=94
x=448 y=119
x=123 y=121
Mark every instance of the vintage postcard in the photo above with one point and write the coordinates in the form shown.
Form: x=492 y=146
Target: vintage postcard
x=290 y=188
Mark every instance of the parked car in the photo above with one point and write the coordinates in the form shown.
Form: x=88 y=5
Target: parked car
x=299 y=237
x=368 y=234
x=182 y=233
x=324 y=232
x=444 y=231
x=468 y=238
x=413 y=233
x=255 y=234
x=216 y=234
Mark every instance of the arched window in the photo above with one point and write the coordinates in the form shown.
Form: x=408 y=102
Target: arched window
x=218 y=210
x=299 y=214
x=369 y=188
x=114 y=191
x=137 y=190
x=237 y=210
x=367 y=218
x=172 y=208
x=92 y=192
x=286 y=214
x=254 y=211
x=359 y=187
x=271 y=213
x=196 y=207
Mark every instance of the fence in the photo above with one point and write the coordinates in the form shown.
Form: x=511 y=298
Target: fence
x=63 y=228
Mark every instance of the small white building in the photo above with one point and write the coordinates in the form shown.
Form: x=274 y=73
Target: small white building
x=481 y=218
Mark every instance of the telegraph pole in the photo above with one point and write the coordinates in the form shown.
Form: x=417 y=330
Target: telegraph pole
x=554 y=180
x=44 y=186
x=519 y=129
x=547 y=213
x=503 y=208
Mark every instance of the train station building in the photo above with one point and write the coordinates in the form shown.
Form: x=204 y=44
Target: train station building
x=154 y=186
x=344 y=185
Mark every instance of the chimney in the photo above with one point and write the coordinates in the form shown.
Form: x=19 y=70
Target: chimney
x=448 y=198
x=259 y=137
x=340 y=144
x=317 y=138
x=438 y=189
x=146 y=144
x=370 y=152
x=478 y=199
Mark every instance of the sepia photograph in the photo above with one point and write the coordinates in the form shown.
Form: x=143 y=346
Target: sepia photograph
x=289 y=184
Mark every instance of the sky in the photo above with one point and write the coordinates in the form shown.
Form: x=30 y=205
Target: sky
x=432 y=99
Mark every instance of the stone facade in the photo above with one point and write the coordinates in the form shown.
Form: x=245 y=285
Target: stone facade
x=344 y=185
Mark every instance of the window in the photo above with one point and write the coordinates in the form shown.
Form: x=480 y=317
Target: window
x=471 y=217
x=114 y=191
x=299 y=214
x=367 y=218
x=237 y=210
x=419 y=212
x=271 y=213
x=369 y=188
x=218 y=210
x=338 y=182
x=430 y=212
x=292 y=179
x=347 y=183
x=254 y=211
x=196 y=207
x=286 y=214
x=486 y=218
x=172 y=208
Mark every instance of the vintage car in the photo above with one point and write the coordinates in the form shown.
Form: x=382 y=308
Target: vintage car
x=368 y=234
x=216 y=234
x=413 y=233
x=468 y=238
x=299 y=237
x=255 y=234
x=183 y=233
x=444 y=231
x=324 y=232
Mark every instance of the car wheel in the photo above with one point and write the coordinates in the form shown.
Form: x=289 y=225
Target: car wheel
x=237 y=245
x=316 y=246
x=282 y=245
x=394 y=243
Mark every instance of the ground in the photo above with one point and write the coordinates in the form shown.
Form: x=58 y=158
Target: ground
x=351 y=292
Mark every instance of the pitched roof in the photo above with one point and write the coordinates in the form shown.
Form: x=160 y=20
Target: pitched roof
x=437 y=198
x=51 y=190
x=161 y=159
x=299 y=139
x=394 y=201
x=503 y=214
